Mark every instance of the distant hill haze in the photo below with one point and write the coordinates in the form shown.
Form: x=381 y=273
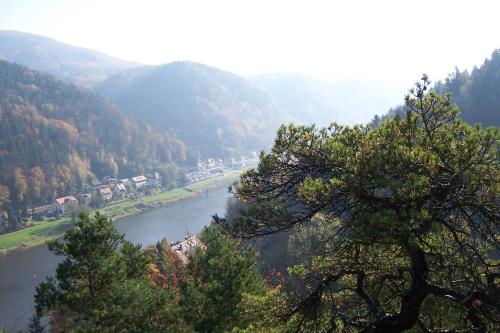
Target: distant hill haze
x=79 y=65
x=215 y=112
x=309 y=100
x=218 y=113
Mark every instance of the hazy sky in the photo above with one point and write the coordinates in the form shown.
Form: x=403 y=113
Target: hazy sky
x=391 y=41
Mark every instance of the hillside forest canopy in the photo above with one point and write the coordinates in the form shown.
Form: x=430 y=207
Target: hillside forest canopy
x=56 y=137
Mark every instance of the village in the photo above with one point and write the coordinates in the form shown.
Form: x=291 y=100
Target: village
x=99 y=193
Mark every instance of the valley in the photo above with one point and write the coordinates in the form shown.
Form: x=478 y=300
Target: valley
x=256 y=169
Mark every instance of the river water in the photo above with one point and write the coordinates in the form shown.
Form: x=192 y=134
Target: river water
x=22 y=271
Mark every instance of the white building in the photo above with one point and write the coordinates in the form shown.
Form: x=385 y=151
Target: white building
x=139 y=181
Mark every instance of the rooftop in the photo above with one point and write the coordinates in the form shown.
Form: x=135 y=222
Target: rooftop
x=105 y=190
x=138 y=179
x=187 y=247
x=63 y=200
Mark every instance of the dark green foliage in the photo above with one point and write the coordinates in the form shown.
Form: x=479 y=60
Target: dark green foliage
x=219 y=276
x=274 y=256
x=35 y=326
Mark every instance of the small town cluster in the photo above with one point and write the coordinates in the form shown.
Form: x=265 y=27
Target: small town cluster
x=109 y=188
x=106 y=190
x=215 y=167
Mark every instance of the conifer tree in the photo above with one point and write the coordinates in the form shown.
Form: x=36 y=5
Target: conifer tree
x=412 y=213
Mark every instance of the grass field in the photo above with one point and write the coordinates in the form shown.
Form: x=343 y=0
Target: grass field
x=41 y=232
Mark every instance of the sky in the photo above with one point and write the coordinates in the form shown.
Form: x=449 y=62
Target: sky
x=393 y=42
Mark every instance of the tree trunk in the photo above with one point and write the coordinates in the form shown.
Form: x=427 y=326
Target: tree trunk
x=411 y=301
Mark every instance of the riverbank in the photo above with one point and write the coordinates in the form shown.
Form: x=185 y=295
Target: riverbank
x=43 y=231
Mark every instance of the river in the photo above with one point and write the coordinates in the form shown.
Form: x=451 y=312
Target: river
x=22 y=271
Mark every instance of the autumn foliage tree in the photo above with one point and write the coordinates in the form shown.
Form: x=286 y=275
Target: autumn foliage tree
x=167 y=269
x=411 y=213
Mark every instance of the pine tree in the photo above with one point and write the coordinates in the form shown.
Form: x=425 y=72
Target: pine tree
x=410 y=213
x=35 y=325
x=218 y=277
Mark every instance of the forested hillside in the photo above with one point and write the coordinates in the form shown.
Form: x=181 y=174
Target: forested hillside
x=217 y=113
x=477 y=94
x=76 y=64
x=54 y=137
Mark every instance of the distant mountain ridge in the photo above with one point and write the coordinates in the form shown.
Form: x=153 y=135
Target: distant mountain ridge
x=217 y=113
x=79 y=65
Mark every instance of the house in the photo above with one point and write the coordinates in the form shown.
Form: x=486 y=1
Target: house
x=139 y=181
x=187 y=247
x=64 y=204
x=211 y=163
x=119 y=189
x=40 y=211
x=106 y=193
